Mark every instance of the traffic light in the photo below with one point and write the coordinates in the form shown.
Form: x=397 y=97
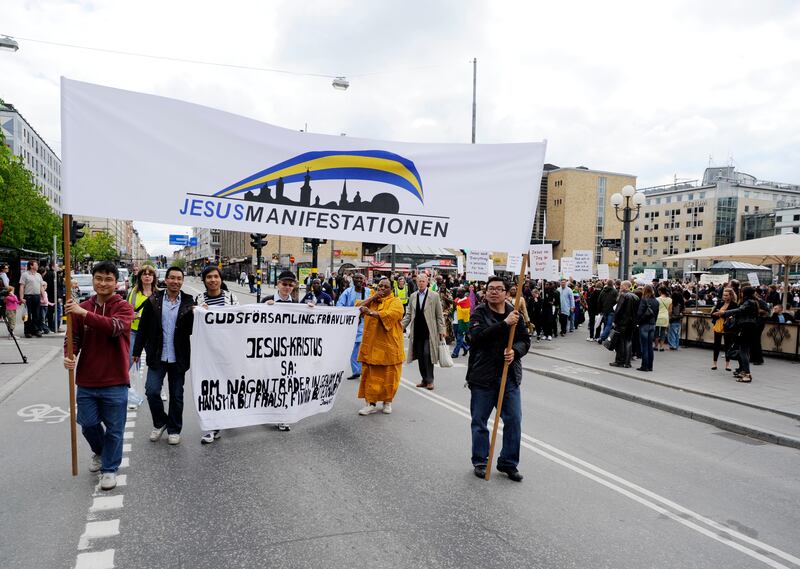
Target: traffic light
x=75 y=231
x=257 y=240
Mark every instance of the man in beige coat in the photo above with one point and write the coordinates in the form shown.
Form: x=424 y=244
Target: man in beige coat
x=425 y=321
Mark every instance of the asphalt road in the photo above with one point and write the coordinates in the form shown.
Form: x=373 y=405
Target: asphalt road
x=608 y=483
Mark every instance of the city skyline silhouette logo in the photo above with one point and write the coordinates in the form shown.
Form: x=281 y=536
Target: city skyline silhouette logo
x=369 y=165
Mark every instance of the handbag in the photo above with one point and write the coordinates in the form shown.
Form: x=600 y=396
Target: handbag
x=445 y=360
x=613 y=339
x=730 y=325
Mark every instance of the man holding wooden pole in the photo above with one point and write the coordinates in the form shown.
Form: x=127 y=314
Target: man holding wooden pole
x=489 y=329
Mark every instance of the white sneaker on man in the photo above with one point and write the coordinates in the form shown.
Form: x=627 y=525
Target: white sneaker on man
x=108 y=481
x=550 y=338
x=284 y=427
x=368 y=410
x=155 y=434
x=96 y=464
x=209 y=437
x=174 y=439
x=387 y=408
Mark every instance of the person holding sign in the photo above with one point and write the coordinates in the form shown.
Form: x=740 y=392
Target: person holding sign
x=101 y=327
x=381 y=353
x=286 y=285
x=353 y=296
x=164 y=329
x=214 y=295
x=488 y=333
x=425 y=318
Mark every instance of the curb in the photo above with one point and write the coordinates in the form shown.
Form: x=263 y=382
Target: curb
x=721 y=422
x=662 y=384
x=9 y=388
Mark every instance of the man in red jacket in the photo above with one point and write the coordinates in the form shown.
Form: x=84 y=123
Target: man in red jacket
x=101 y=330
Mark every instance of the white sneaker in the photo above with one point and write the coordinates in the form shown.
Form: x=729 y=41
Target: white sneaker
x=209 y=437
x=108 y=481
x=163 y=396
x=368 y=410
x=155 y=434
x=284 y=427
x=174 y=439
x=387 y=408
x=549 y=338
x=96 y=464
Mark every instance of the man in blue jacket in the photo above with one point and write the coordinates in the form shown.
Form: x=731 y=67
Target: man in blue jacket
x=355 y=294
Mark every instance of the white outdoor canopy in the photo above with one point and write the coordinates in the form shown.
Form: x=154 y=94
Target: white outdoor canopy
x=776 y=250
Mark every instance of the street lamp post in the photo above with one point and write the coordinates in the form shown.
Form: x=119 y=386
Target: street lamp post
x=631 y=199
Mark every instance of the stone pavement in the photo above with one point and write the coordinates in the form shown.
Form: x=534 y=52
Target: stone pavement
x=682 y=382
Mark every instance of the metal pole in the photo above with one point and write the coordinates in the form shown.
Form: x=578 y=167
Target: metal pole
x=474 y=89
x=314 y=251
x=332 y=266
x=393 y=264
x=626 y=214
x=56 y=322
x=258 y=275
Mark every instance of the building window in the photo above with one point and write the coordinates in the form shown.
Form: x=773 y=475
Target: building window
x=796 y=217
x=779 y=218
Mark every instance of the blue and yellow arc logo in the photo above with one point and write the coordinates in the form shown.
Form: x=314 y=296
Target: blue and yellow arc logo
x=372 y=165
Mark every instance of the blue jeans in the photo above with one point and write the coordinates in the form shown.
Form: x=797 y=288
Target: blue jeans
x=647 y=334
x=101 y=415
x=460 y=343
x=481 y=404
x=355 y=365
x=152 y=388
x=607 y=326
x=674 y=334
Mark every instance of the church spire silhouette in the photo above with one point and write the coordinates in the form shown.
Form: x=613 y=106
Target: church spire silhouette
x=343 y=197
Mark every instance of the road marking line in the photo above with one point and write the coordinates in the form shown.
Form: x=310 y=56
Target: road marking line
x=126 y=447
x=105 y=503
x=725 y=539
x=127 y=435
x=96 y=560
x=96 y=530
x=130 y=415
x=126 y=462
x=130 y=424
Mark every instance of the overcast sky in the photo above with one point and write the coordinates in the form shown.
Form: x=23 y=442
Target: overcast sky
x=652 y=89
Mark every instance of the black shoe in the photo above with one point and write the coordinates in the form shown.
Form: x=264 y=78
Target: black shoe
x=28 y=336
x=512 y=473
x=641 y=369
x=354 y=376
x=615 y=364
x=37 y=334
x=480 y=471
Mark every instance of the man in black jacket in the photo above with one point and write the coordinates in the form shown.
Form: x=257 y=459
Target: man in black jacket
x=625 y=324
x=164 y=330
x=605 y=307
x=489 y=327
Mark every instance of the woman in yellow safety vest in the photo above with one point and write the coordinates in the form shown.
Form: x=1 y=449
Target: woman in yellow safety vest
x=401 y=290
x=144 y=287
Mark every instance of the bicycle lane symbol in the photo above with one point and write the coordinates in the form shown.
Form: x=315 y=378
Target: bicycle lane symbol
x=43 y=413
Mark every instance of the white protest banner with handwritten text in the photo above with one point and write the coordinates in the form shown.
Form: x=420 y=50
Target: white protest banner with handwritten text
x=583 y=264
x=257 y=364
x=478 y=265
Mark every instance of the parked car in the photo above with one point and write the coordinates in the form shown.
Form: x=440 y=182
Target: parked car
x=123 y=282
x=161 y=274
x=82 y=286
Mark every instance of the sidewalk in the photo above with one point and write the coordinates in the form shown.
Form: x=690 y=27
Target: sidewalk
x=38 y=351
x=683 y=383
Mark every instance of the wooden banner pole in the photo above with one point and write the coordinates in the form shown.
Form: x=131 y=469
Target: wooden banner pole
x=520 y=281
x=73 y=427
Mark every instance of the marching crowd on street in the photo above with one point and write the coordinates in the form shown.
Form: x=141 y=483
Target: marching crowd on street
x=402 y=319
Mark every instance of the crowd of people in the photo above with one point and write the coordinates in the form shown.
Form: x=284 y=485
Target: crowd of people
x=110 y=333
x=37 y=301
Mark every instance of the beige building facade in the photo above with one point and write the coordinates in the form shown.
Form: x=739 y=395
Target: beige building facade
x=580 y=214
x=680 y=218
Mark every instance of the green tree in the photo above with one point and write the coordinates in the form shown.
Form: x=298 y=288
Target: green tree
x=28 y=221
x=99 y=246
x=180 y=263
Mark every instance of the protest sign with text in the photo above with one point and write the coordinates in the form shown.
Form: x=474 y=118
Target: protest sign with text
x=541 y=265
x=478 y=265
x=567 y=267
x=582 y=264
x=255 y=364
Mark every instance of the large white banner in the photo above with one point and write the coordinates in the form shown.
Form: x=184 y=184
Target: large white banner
x=583 y=264
x=134 y=156
x=256 y=364
x=541 y=262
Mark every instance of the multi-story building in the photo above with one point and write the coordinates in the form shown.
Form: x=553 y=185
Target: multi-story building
x=579 y=211
x=38 y=157
x=126 y=239
x=725 y=206
x=540 y=220
x=787 y=220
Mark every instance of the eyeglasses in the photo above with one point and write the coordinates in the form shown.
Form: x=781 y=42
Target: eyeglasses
x=495 y=289
x=286 y=283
